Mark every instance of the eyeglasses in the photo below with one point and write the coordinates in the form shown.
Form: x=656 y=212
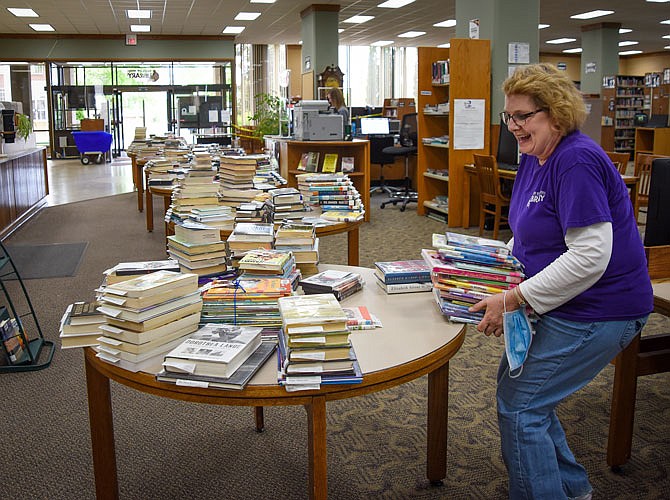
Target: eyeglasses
x=519 y=119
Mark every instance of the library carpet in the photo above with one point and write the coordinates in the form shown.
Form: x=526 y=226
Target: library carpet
x=55 y=260
x=376 y=443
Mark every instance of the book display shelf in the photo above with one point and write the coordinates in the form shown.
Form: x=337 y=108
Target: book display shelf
x=290 y=153
x=468 y=63
x=623 y=98
x=395 y=109
x=20 y=308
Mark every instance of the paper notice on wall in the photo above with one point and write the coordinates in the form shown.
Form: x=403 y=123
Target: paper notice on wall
x=469 y=123
x=213 y=115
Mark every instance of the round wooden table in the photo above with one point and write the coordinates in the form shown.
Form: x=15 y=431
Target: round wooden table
x=416 y=340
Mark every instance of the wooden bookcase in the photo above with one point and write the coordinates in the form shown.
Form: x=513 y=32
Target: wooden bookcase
x=470 y=78
x=623 y=97
x=395 y=109
x=291 y=151
x=654 y=141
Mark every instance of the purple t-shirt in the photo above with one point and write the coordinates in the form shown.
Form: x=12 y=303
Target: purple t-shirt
x=577 y=187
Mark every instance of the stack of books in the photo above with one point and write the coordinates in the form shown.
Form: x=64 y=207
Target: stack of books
x=128 y=270
x=238 y=171
x=334 y=193
x=467 y=269
x=198 y=249
x=234 y=197
x=218 y=216
x=137 y=312
x=341 y=284
x=359 y=318
x=214 y=350
x=314 y=346
x=301 y=240
x=248 y=236
x=285 y=204
x=403 y=276
x=268 y=263
x=251 y=211
x=245 y=301
x=79 y=326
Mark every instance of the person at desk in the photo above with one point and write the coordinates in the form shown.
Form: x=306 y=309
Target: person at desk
x=587 y=281
x=336 y=101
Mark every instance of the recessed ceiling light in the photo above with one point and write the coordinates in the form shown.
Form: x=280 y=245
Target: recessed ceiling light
x=232 y=30
x=592 y=14
x=444 y=46
x=658 y=1
x=630 y=52
x=624 y=30
x=666 y=36
x=381 y=43
x=542 y=26
x=263 y=1
x=42 y=27
x=394 y=4
x=446 y=24
x=667 y=21
x=557 y=41
x=358 y=19
x=626 y=43
x=22 y=12
x=140 y=28
x=667 y=47
x=411 y=34
x=247 y=16
x=340 y=30
x=139 y=14
x=576 y=50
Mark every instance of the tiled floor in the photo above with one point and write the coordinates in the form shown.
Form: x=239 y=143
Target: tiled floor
x=71 y=181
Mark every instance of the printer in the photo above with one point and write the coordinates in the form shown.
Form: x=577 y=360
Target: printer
x=313 y=121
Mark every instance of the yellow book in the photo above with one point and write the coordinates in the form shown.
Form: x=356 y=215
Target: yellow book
x=329 y=163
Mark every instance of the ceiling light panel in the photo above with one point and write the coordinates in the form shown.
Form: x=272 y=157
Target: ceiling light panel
x=411 y=34
x=394 y=4
x=381 y=43
x=558 y=41
x=358 y=19
x=444 y=46
x=626 y=43
x=22 y=12
x=543 y=26
x=232 y=30
x=42 y=27
x=140 y=28
x=577 y=50
x=630 y=52
x=449 y=23
x=139 y=14
x=624 y=30
x=592 y=14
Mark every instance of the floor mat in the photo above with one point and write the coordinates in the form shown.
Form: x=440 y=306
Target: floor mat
x=56 y=260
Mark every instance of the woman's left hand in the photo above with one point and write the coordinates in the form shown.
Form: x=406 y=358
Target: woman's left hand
x=493 y=317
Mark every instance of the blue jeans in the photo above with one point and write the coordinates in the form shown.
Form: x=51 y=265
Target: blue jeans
x=564 y=356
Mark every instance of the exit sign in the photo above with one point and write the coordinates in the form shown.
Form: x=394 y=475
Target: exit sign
x=131 y=39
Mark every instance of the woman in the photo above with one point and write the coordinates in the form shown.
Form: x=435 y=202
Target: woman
x=336 y=101
x=575 y=233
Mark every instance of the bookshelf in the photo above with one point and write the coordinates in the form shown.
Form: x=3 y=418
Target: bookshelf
x=469 y=78
x=395 y=109
x=623 y=97
x=654 y=141
x=291 y=151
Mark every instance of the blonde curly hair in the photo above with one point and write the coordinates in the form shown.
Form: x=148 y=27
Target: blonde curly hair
x=552 y=91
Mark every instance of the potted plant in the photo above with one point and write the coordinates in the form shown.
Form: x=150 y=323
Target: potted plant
x=267 y=107
x=24 y=127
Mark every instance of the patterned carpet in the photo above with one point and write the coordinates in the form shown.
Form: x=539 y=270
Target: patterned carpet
x=376 y=444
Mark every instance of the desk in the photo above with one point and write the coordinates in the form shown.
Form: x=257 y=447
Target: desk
x=631 y=182
x=385 y=355
x=644 y=356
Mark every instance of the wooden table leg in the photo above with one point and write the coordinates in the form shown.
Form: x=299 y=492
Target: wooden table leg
x=353 y=238
x=102 y=434
x=167 y=201
x=150 y=210
x=438 y=403
x=316 y=445
x=260 y=420
x=620 y=438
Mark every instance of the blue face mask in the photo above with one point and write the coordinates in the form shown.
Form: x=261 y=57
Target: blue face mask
x=518 y=335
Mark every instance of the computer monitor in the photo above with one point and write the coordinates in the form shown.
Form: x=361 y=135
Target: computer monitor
x=508 y=147
x=374 y=126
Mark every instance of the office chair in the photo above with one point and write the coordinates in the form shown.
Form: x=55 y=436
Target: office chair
x=378 y=157
x=491 y=198
x=620 y=160
x=408 y=146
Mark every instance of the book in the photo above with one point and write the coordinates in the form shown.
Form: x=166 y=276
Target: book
x=251 y=231
x=238 y=380
x=304 y=160
x=154 y=311
x=157 y=321
x=144 y=302
x=137 y=357
x=312 y=164
x=403 y=271
x=152 y=284
x=340 y=283
x=73 y=340
x=306 y=314
x=196 y=233
x=194 y=248
x=477 y=243
x=81 y=317
x=132 y=348
x=189 y=323
x=127 y=270
x=359 y=316
x=329 y=163
x=404 y=287
x=214 y=350
x=270 y=260
x=342 y=216
x=347 y=164
x=287 y=195
x=14 y=341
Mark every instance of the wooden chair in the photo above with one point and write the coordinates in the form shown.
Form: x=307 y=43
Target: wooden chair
x=620 y=160
x=491 y=198
x=643 y=171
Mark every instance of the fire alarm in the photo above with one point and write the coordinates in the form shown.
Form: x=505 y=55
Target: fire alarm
x=131 y=39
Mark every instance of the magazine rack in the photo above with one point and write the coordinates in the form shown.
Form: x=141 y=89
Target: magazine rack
x=8 y=271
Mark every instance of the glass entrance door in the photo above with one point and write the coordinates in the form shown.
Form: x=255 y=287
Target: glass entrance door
x=144 y=109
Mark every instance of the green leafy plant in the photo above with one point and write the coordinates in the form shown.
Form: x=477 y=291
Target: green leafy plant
x=266 y=118
x=24 y=127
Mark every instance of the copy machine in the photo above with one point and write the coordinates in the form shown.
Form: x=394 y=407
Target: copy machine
x=312 y=121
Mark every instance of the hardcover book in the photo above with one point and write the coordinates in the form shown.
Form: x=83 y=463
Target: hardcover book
x=329 y=163
x=318 y=311
x=152 y=284
x=403 y=271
